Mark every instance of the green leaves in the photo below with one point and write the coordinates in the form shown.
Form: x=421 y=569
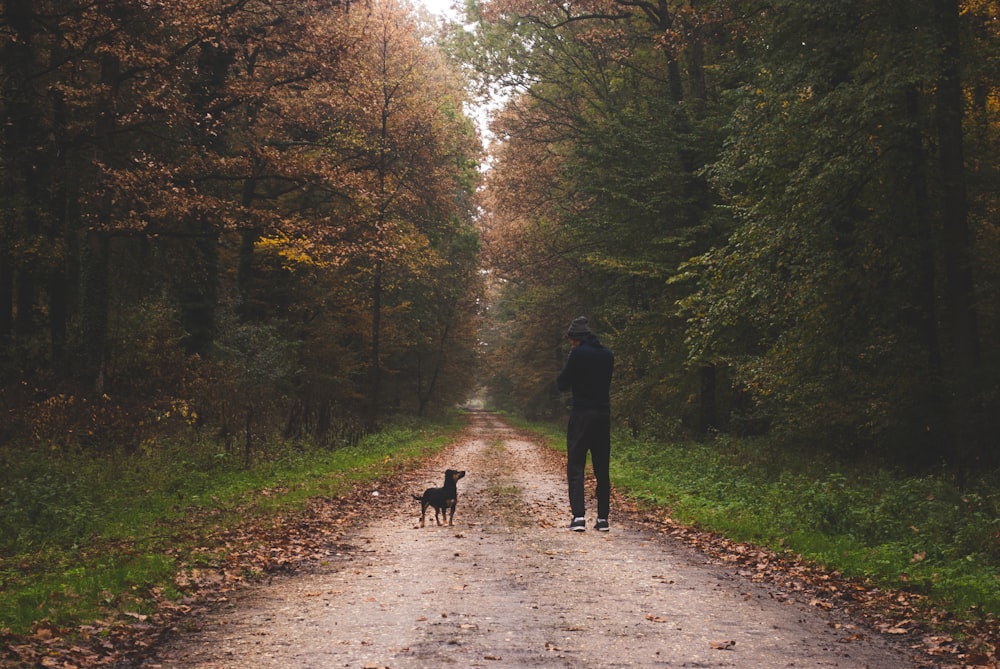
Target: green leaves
x=817 y=296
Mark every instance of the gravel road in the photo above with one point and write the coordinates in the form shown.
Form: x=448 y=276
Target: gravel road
x=509 y=586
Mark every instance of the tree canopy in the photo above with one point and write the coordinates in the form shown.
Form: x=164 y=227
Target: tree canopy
x=780 y=214
x=258 y=211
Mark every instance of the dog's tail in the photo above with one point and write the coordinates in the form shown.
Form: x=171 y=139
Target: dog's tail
x=417 y=497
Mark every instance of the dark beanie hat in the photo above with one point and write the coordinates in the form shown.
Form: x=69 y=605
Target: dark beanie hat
x=578 y=328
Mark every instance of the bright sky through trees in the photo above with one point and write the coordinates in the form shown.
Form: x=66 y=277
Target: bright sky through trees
x=440 y=7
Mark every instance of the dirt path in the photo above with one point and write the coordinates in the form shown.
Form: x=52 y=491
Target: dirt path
x=509 y=586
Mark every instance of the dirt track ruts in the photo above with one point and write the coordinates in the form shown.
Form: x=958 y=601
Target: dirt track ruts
x=509 y=586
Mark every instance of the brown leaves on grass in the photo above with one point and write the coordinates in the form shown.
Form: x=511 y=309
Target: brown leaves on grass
x=904 y=615
x=260 y=547
x=264 y=546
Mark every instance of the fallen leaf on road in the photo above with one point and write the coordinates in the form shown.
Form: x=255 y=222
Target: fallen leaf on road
x=723 y=645
x=979 y=660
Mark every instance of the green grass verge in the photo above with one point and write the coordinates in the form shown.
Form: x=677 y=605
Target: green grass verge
x=920 y=534
x=83 y=538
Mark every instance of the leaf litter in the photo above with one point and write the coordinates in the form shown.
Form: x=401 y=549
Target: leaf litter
x=301 y=543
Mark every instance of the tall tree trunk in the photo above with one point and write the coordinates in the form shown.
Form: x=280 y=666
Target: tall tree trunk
x=23 y=137
x=251 y=235
x=707 y=410
x=58 y=314
x=25 y=295
x=663 y=17
x=6 y=299
x=96 y=250
x=96 y=300
x=957 y=241
x=65 y=275
x=375 y=372
x=200 y=296
x=916 y=203
x=248 y=243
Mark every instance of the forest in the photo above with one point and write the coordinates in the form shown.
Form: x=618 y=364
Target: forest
x=276 y=217
x=236 y=231
x=253 y=218
x=781 y=215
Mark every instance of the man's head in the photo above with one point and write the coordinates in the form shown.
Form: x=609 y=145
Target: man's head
x=578 y=330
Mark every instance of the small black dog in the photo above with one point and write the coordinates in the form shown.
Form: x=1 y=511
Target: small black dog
x=442 y=499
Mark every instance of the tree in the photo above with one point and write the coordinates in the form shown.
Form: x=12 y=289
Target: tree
x=405 y=145
x=845 y=170
x=794 y=176
x=174 y=168
x=611 y=124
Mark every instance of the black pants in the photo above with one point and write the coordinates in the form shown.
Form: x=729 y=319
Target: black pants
x=589 y=431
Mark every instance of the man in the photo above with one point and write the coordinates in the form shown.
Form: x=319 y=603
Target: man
x=588 y=374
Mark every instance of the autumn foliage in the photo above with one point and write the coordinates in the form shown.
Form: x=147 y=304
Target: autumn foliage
x=259 y=211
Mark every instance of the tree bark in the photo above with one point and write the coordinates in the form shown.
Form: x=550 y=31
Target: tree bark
x=375 y=371
x=962 y=313
x=916 y=208
x=95 y=305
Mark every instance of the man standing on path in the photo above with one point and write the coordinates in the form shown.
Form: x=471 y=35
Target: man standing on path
x=588 y=374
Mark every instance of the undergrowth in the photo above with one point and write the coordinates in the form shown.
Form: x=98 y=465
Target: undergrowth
x=81 y=535
x=922 y=534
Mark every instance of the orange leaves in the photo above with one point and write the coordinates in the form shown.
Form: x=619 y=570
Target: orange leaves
x=229 y=558
x=902 y=615
x=379 y=146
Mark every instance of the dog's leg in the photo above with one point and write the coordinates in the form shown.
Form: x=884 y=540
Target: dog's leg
x=423 y=512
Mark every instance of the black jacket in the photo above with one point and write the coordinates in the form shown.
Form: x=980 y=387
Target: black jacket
x=587 y=373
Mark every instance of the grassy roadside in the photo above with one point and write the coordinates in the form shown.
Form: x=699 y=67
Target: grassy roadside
x=85 y=540
x=917 y=534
